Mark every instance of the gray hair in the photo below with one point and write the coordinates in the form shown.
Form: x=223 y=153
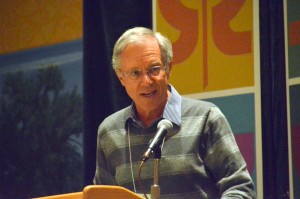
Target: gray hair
x=137 y=34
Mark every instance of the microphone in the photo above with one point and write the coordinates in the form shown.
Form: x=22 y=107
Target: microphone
x=163 y=127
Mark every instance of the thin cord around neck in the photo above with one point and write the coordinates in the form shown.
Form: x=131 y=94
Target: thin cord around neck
x=130 y=157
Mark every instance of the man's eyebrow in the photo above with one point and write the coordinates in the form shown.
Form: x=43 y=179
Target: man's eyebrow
x=155 y=63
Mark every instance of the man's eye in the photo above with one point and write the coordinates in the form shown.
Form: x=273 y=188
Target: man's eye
x=154 y=70
x=135 y=73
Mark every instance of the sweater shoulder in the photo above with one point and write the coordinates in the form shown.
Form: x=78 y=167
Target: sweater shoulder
x=116 y=120
x=194 y=107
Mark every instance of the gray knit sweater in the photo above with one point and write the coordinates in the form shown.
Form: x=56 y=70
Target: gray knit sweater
x=200 y=158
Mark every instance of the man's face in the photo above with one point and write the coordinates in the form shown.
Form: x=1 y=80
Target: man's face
x=148 y=92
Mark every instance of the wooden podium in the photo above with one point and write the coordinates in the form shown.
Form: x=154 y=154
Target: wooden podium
x=98 y=192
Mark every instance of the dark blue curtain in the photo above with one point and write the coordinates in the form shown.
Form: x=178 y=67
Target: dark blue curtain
x=104 y=22
x=273 y=92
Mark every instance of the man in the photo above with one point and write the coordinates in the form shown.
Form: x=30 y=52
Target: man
x=200 y=158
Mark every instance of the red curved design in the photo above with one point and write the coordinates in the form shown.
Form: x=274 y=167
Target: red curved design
x=186 y=22
x=228 y=41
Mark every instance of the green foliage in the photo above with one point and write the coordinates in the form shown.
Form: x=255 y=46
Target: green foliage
x=39 y=125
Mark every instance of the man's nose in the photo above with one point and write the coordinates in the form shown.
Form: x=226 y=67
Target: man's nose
x=146 y=77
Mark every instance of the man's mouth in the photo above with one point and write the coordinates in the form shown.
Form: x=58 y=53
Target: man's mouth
x=148 y=94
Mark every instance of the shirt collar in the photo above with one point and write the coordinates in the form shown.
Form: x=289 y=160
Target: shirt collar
x=172 y=109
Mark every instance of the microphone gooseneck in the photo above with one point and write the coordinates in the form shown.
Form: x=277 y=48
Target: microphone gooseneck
x=163 y=127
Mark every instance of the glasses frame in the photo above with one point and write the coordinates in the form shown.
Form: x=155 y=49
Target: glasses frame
x=148 y=72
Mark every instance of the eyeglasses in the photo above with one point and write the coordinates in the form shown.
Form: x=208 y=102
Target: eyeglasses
x=136 y=73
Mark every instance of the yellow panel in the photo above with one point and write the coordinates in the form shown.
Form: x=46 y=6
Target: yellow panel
x=34 y=23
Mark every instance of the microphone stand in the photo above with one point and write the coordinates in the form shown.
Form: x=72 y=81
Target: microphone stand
x=155 y=188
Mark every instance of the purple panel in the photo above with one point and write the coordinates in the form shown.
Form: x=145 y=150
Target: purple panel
x=245 y=142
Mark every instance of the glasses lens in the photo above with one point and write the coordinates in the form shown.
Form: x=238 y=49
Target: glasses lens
x=154 y=71
x=134 y=74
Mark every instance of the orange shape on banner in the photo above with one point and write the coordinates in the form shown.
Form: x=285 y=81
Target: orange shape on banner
x=228 y=41
x=188 y=30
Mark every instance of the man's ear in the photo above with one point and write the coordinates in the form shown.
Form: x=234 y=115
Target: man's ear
x=120 y=76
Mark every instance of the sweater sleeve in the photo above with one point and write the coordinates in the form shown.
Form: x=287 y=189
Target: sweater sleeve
x=224 y=160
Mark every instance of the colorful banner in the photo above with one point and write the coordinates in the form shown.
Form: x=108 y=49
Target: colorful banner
x=30 y=24
x=212 y=43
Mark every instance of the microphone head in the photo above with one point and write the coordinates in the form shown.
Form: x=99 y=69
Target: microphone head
x=166 y=124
